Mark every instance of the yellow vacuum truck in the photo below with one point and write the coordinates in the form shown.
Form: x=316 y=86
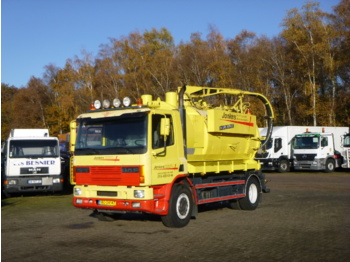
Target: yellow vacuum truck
x=168 y=157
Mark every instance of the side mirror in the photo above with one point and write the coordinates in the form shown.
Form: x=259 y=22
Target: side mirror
x=73 y=135
x=165 y=127
x=165 y=132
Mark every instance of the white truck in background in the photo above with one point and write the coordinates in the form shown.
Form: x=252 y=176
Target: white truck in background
x=30 y=161
x=345 y=150
x=319 y=149
x=277 y=153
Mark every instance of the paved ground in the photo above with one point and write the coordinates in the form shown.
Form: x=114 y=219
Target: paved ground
x=306 y=217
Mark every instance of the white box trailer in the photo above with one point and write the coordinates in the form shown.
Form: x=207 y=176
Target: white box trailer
x=277 y=154
x=30 y=161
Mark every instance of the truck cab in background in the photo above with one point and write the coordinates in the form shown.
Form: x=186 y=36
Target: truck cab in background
x=305 y=147
x=30 y=162
x=345 y=150
x=319 y=150
x=277 y=153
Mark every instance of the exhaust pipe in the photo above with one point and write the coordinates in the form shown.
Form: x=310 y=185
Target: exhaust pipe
x=183 y=117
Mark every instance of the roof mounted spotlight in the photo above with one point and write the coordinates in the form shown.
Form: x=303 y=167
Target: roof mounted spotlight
x=97 y=104
x=106 y=103
x=126 y=101
x=116 y=102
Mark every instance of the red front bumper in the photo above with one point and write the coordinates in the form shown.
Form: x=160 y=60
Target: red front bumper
x=159 y=207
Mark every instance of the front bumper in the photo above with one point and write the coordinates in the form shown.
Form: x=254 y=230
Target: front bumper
x=317 y=164
x=119 y=199
x=33 y=184
x=121 y=205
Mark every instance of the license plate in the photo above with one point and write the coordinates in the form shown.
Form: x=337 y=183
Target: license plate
x=107 y=203
x=34 y=181
x=47 y=181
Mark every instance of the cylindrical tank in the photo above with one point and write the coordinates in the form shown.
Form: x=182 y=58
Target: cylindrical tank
x=221 y=140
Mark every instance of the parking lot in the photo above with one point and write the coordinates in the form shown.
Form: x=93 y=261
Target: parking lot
x=306 y=217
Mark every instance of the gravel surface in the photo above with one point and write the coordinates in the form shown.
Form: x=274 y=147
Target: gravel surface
x=306 y=217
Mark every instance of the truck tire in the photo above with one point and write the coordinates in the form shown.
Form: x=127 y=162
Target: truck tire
x=283 y=166
x=253 y=195
x=180 y=207
x=330 y=166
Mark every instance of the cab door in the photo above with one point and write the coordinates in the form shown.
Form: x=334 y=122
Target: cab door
x=165 y=159
x=326 y=145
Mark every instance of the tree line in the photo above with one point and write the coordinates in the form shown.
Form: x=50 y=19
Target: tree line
x=304 y=72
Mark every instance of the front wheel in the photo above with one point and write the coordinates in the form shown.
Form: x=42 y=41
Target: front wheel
x=330 y=166
x=253 y=195
x=283 y=166
x=180 y=207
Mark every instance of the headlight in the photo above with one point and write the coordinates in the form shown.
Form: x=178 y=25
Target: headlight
x=106 y=103
x=97 y=104
x=139 y=193
x=126 y=101
x=77 y=191
x=12 y=182
x=56 y=180
x=116 y=102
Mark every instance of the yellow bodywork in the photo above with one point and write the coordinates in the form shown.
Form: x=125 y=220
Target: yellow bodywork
x=219 y=138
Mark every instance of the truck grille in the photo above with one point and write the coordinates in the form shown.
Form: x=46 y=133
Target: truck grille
x=107 y=176
x=305 y=157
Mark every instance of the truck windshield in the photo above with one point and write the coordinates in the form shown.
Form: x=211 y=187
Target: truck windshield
x=306 y=142
x=124 y=134
x=33 y=148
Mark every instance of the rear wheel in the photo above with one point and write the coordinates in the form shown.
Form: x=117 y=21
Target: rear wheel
x=253 y=195
x=180 y=207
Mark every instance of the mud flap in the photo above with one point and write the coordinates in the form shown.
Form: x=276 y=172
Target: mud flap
x=263 y=182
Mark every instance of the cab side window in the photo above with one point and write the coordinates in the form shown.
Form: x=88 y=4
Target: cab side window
x=157 y=139
x=278 y=144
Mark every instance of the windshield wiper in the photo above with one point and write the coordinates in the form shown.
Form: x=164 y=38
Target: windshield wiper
x=88 y=150
x=126 y=149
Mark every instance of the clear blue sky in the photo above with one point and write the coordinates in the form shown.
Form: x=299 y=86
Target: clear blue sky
x=36 y=33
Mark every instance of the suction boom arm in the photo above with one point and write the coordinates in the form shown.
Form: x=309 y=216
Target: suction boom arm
x=198 y=92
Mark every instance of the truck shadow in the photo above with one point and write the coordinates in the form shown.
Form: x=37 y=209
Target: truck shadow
x=110 y=217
